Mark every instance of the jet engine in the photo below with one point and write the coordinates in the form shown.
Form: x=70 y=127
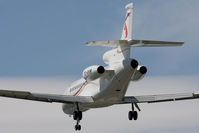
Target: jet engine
x=93 y=72
x=134 y=63
x=140 y=73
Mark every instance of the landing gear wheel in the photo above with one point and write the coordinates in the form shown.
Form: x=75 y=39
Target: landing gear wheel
x=75 y=115
x=135 y=115
x=79 y=127
x=76 y=127
x=130 y=115
x=80 y=115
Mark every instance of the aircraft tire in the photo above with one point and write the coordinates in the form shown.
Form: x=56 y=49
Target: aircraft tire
x=80 y=115
x=79 y=127
x=130 y=115
x=135 y=115
x=75 y=115
x=76 y=127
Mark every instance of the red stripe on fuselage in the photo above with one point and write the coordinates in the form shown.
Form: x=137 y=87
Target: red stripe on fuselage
x=84 y=84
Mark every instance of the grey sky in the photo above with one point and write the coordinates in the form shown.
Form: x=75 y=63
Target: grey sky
x=22 y=116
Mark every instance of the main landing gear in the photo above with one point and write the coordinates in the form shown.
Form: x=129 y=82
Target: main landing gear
x=133 y=114
x=77 y=115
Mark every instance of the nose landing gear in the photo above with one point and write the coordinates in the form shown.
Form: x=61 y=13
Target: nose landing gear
x=77 y=126
x=77 y=115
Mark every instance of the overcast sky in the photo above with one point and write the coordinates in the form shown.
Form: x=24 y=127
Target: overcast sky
x=22 y=116
x=42 y=50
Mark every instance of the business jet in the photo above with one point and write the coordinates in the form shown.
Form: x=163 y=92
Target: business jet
x=103 y=86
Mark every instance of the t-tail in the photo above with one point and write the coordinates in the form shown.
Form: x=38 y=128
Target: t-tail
x=123 y=46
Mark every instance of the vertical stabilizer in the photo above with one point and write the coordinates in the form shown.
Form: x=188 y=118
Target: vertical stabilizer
x=127 y=28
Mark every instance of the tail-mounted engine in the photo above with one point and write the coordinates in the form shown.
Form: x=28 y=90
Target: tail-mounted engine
x=134 y=63
x=93 y=72
x=131 y=63
x=139 y=73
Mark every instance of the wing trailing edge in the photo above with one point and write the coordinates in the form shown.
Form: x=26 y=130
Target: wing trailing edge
x=45 y=97
x=160 y=98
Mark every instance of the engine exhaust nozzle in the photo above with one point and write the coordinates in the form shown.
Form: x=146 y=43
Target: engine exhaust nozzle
x=134 y=63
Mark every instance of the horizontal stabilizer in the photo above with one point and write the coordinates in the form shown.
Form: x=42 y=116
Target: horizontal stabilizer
x=134 y=43
x=111 y=43
x=150 y=43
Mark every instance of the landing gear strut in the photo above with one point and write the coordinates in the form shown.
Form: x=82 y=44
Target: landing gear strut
x=77 y=115
x=133 y=114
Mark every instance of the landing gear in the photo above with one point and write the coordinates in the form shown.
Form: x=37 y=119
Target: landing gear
x=77 y=115
x=133 y=114
x=77 y=127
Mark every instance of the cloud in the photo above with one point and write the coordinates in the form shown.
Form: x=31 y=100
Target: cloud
x=30 y=116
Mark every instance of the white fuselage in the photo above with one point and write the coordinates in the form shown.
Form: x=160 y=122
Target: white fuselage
x=110 y=87
x=106 y=90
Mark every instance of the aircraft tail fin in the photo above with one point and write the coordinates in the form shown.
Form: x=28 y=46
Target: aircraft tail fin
x=123 y=46
x=126 y=39
x=127 y=28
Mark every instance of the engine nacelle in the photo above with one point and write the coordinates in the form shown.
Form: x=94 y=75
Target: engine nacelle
x=140 y=73
x=134 y=63
x=93 y=72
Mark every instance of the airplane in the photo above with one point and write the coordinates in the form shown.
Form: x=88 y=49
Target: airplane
x=103 y=86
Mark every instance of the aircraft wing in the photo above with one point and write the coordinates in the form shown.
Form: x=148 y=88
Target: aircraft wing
x=160 y=98
x=45 y=97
